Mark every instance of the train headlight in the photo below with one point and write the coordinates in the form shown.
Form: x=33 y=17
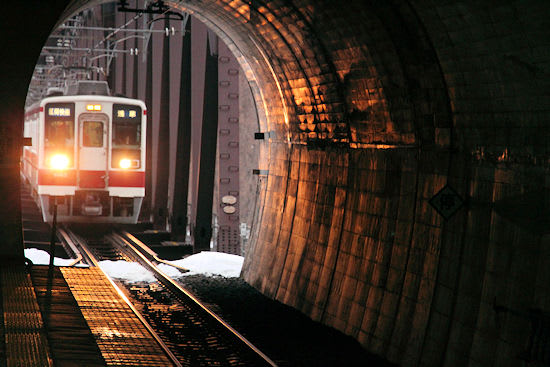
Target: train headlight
x=125 y=163
x=59 y=161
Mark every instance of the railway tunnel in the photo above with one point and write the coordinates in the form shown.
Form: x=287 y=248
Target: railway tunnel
x=403 y=194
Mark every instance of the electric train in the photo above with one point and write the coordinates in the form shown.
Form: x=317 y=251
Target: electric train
x=87 y=155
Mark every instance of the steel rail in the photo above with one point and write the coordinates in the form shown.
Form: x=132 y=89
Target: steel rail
x=152 y=253
x=69 y=241
x=155 y=336
x=125 y=240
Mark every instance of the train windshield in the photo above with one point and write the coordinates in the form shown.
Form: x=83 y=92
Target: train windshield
x=126 y=126
x=127 y=134
x=59 y=134
x=126 y=149
x=59 y=130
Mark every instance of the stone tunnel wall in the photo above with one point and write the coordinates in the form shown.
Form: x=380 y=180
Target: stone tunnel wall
x=347 y=234
x=351 y=240
x=372 y=108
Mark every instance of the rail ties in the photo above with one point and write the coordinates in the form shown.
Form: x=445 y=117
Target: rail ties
x=122 y=334
x=123 y=338
x=191 y=333
x=196 y=331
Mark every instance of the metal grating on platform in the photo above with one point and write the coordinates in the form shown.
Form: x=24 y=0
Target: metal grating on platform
x=121 y=337
x=26 y=343
x=69 y=337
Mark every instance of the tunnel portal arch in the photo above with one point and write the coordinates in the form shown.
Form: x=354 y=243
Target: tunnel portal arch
x=313 y=92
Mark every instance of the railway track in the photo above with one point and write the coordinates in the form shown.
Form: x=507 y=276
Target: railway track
x=190 y=333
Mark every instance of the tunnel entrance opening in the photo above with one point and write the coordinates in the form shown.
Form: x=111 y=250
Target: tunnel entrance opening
x=162 y=61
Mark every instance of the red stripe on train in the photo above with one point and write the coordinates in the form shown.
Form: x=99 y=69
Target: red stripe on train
x=57 y=178
x=126 y=179
x=92 y=179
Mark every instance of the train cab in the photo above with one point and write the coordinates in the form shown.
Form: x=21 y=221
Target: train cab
x=88 y=154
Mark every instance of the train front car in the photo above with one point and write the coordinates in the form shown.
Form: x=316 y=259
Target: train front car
x=90 y=158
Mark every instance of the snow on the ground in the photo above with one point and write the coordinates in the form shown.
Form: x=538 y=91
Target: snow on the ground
x=207 y=263
x=130 y=271
x=41 y=257
x=210 y=263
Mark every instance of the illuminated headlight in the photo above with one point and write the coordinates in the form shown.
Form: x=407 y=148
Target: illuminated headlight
x=125 y=163
x=59 y=161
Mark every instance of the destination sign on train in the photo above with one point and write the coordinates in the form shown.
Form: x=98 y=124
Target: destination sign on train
x=126 y=113
x=59 y=111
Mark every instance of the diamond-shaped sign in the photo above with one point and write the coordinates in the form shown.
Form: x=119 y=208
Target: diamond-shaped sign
x=447 y=201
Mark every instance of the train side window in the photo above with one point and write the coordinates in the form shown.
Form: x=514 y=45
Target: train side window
x=92 y=134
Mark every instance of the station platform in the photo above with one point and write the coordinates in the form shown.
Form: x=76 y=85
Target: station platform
x=70 y=317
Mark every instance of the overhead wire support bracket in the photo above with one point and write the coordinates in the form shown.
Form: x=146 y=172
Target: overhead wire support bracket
x=111 y=29
x=156 y=7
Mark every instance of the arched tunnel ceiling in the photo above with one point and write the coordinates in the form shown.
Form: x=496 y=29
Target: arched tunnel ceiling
x=314 y=90
x=375 y=106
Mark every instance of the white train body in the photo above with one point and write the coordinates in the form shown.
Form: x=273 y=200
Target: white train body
x=88 y=154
